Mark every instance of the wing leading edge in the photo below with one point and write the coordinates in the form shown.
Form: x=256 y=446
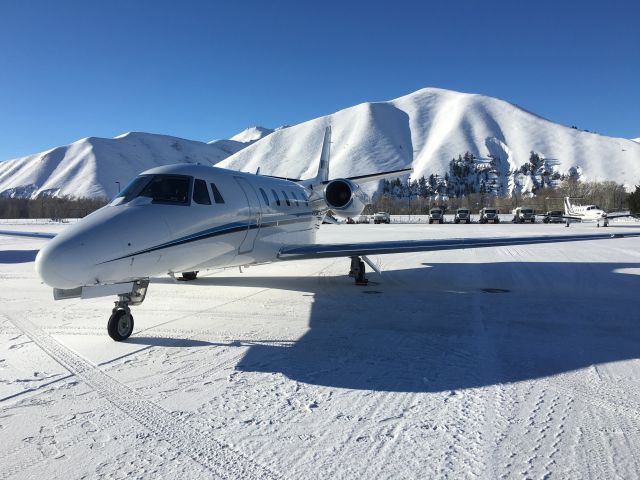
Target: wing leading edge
x=379 y=248
x=12 y=233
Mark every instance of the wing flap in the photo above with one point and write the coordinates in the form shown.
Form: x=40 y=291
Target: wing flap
x=380 y=248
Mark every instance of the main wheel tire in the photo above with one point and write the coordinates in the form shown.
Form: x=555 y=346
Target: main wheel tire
x=188 y=276
x=120 y=325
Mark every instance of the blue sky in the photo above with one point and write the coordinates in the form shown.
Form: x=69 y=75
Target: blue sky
x=206 y=69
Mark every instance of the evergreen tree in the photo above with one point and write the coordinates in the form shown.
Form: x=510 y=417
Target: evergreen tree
x=634 y=200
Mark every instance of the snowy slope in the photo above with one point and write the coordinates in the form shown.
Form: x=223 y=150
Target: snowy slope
x=427 y=128
x=241 y=140
x=91 y=166
x=636 y=139
x=252 y=134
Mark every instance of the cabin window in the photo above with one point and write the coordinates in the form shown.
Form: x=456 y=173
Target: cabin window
x=168 y=189
x=293 y=194
x=200 y=193
x=275 y=195
x=216 y=194
x=286 y=198
x=264 y=197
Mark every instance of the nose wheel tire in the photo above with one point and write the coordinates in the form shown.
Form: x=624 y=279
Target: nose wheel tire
x=120 y=325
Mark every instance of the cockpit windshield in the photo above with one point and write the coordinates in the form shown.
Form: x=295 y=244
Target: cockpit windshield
x=131 y=191
x=168 y=189
x=171 y=189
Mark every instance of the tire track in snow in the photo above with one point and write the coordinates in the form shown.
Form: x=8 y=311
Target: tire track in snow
x=214 y=455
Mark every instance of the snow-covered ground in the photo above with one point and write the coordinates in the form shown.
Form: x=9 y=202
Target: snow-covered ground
x=290 y=370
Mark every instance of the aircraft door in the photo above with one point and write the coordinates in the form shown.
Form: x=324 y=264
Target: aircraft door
x=254 y=216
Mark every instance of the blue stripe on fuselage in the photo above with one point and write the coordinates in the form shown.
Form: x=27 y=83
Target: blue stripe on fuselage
x=220 y=230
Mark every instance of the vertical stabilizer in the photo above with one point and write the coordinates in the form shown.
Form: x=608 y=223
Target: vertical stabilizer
x=567 y=206
x=323 y=169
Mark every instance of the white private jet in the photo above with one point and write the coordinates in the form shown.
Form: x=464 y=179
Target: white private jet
x=187 y=218
x=589 y=213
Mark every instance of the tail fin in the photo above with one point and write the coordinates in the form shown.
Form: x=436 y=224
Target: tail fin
x=567 y=206
x=323 y=169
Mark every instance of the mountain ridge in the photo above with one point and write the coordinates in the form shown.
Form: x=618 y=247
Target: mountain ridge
x=512 y=150
x=98 y=167
x=426 y=129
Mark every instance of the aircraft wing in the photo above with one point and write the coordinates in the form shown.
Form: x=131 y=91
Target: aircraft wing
x=11 y=233
x=620 y=215
x=379 y=248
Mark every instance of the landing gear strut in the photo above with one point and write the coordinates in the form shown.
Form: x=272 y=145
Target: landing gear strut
x=357 y=271
x=120 y=324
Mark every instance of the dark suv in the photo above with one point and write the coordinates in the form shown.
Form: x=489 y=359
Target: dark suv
x=553 y=216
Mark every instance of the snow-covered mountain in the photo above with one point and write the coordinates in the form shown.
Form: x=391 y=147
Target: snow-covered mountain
x=636 y=139
x=425 y=129
x=92 y=167
x=252 y=134
x=428 y=128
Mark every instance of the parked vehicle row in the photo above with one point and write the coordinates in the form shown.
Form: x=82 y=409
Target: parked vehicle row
x=463 y=215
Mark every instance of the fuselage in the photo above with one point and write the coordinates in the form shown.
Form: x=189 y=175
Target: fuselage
x=586 y=212
x=182 y=218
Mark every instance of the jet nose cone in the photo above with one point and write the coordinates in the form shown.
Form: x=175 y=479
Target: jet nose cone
x=59 y=266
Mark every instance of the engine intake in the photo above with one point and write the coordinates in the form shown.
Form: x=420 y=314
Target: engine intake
x=345 y=198
x=338 y=194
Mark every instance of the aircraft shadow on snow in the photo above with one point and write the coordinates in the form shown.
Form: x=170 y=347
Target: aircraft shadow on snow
x=17 y=256
x=433 y=328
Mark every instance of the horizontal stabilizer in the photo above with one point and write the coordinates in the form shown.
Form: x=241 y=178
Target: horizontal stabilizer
x=380 y=176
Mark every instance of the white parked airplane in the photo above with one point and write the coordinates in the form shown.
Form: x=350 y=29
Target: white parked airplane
x=186 y=218
x=589 y=213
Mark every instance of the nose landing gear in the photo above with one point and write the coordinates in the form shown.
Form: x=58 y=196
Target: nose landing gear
x=120 y=324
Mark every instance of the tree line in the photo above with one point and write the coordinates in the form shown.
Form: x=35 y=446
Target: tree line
x=55 y=208
x=609 y=195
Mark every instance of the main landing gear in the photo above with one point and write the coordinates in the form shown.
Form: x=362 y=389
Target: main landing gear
x=357 y=271
x=120 y=324
x=188 y=276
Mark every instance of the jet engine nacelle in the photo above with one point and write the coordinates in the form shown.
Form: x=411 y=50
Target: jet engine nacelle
x=345 y=198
